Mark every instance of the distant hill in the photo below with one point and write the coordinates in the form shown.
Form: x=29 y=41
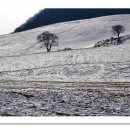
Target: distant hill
x=50 y=16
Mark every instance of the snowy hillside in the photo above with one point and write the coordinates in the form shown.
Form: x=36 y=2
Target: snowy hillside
x=22 y=58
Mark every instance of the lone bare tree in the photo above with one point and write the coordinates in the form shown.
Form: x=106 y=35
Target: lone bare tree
x=117 y=30
x=49 y=40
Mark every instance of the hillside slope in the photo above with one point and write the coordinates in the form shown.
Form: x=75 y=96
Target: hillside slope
x=19 y=61
x=75 y=34
x=52 y=15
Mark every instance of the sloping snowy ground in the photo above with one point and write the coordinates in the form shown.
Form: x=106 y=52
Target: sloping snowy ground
x=19 y=61
x=75 y=34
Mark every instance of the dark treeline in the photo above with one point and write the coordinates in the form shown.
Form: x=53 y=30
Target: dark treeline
x=50 y=16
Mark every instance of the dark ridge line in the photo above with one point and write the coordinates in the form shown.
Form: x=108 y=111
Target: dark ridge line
x=51 y=16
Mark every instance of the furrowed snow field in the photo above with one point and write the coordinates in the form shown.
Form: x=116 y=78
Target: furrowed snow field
x=84 y=81
x=22 y=58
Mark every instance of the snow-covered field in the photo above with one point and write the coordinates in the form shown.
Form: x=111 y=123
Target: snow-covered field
x=22 y=58
x=34 y=82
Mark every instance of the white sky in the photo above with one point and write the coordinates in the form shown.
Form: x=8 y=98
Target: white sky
x=15 y=12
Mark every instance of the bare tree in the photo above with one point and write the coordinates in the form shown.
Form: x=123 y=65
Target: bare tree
x=117 y=30
x=49 y=40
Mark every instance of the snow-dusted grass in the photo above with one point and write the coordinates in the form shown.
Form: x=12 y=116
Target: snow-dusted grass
x=98 y=64
x=22 y=58
x=77 y=82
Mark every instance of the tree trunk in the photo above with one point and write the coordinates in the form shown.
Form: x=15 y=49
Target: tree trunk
x=118 y=35
x=50 y=47
x=118 y=39
x=48 y=50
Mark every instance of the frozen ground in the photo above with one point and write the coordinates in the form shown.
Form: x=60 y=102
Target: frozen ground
x=64 y=99
x=82 y=65
x=22 y=58
x=66 y=83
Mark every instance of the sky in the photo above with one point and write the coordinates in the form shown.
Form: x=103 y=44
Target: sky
x=15 y=12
